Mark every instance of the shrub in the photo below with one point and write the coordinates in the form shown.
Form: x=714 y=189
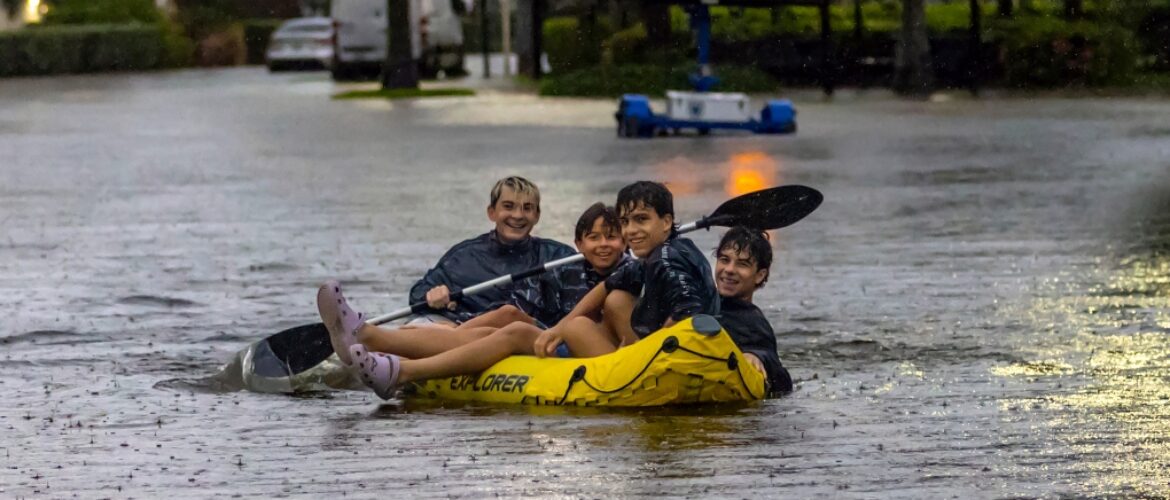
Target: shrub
x=178 y=48
x=103 y=12
x=1046 y=52
x=80 y=49
x=1154 y=34
x=224 y=47
x=571 y=44
x=883 y=16
x=741 y=24
x=627 y=46
x=201 y=18
x=125 y=47
x=654 y=80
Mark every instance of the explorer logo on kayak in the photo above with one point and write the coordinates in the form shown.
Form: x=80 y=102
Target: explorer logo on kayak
x=491 y=382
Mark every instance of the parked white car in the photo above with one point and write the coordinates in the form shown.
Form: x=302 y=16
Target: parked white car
x=302 y=43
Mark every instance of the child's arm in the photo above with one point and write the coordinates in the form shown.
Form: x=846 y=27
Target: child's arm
x=589 y=304
x=548 y=340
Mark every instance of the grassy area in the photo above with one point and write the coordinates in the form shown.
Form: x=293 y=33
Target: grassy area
x=404 y=93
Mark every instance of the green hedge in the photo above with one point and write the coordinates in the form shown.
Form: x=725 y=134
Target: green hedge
x=571 y=44
x=82 y=49
x=627 y=46
x=103 y=12
x=612 y=81
x=735 y=24
x=1044 y=51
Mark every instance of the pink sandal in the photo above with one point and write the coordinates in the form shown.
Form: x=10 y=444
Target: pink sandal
x=379 y=371
x=341 y=321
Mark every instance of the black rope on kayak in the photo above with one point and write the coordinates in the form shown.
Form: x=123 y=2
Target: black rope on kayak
x=578 y=375
x=732 y=364
x=668 y=346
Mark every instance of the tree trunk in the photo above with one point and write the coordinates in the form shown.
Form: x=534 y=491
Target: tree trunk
x=522 y=36
x=528 y=34
x=399 y=70
x=1074 y=8
x=913 y=74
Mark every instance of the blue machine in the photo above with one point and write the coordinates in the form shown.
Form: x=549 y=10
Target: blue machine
x=702 y=109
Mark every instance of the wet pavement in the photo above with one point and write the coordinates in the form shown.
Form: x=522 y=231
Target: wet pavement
x=980 y=309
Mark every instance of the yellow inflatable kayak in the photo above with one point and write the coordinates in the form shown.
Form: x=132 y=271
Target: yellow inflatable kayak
x=693 y=361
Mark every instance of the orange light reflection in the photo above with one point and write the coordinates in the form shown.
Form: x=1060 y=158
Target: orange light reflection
x=751 y=171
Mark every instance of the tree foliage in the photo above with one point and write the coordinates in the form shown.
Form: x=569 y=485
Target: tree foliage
x=102 y=12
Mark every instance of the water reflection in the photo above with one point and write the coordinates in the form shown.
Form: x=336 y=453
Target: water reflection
x=750 y=171
x=1115 y=367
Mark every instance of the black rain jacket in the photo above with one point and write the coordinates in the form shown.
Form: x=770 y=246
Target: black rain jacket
x=480 y=259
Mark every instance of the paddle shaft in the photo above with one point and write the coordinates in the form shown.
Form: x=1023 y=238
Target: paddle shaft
x=422 y=307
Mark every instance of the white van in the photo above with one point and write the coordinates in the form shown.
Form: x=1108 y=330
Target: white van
x=359 y=46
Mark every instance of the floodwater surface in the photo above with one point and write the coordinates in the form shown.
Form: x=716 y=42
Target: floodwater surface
x=980 y=309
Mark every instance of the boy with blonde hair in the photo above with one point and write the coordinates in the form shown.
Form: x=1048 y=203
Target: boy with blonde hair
x=514 y=208
x=509 y=248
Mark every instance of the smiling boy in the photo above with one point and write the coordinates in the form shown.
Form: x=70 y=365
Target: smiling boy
x=671 y=282
x=538 y=301
x=514 y=208
x=743 y=263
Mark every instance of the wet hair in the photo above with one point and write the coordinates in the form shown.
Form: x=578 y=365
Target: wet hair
x=608 y=216
x=652 y=195
x=754 y=242
x=518 y=185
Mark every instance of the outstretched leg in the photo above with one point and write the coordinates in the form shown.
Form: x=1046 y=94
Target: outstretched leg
x=498 y=318
x=384 y=372
x=418 y=342
x=516 y=338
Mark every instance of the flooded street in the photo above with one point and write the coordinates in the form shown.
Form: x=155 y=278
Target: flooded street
x=979 y=309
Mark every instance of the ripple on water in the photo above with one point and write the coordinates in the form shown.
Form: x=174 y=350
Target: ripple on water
x=268 y=267
x=35 y=335
x=156 y=301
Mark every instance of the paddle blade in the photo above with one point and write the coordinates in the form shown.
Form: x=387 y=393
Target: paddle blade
x=766 y=209
x=299 y=348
